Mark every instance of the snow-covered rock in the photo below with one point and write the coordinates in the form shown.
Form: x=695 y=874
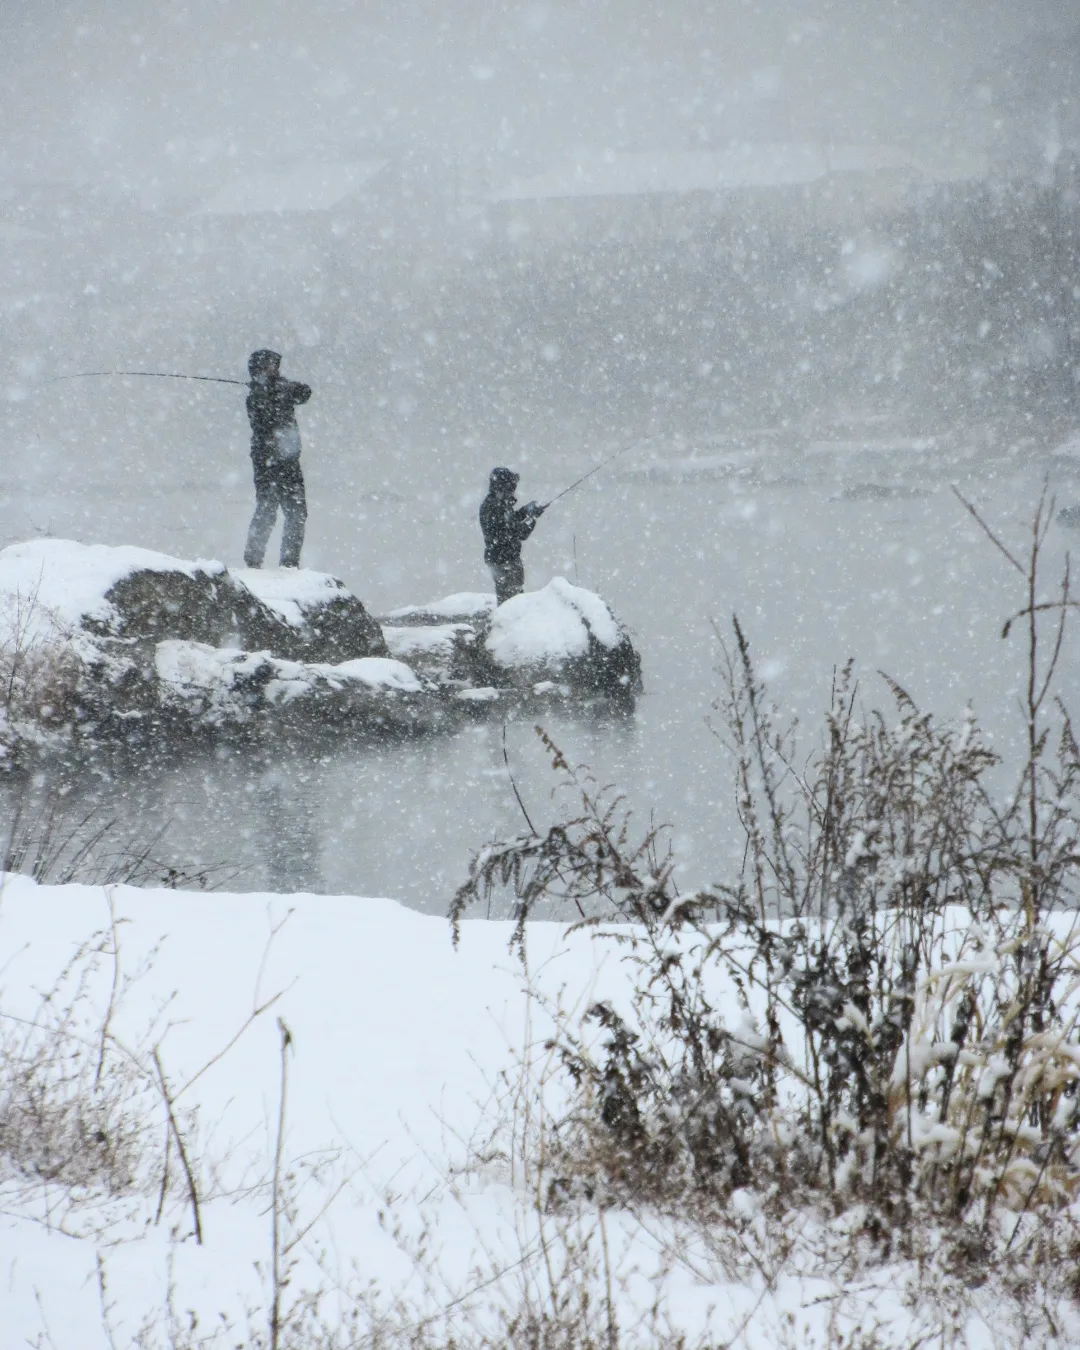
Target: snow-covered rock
x=558 y=643
x=78 y=625
x=462 y=607
x=57 y=587
x=564 y=635
x=303 y=615
x=60 y=587
x=445 y=651
x=212 y=688
x=126 y=643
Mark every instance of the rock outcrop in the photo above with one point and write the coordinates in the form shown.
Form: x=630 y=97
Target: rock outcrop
x=302 y=616
x=99 y=642
x=564 y=636
x=470 y=607
x=55 y=586
x=109 y=642
x=222 y=689
x=444 y=652
x=561 y=643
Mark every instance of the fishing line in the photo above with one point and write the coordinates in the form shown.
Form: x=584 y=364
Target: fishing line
x=595 y=469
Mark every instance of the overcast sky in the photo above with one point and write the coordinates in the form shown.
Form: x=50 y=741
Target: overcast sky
x=176 y=98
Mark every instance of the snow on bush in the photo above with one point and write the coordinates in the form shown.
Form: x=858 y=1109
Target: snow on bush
x=880 y=1012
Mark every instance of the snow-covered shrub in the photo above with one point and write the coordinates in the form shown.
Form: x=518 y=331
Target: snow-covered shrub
x=82 y=1120
x=880 y=1010
x=39 y=669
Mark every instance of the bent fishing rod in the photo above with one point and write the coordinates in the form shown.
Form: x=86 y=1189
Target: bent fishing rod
x=147 y=374
x=595 y=469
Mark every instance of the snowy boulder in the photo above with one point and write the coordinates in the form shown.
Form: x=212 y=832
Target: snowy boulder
x=214 y=689
x=564 y=636
x=124 y=642
x=444 y=652
x=100 y=643
x=78 y=624
x=555 y=644
x=61 y=587
x=465 y=607
x=55 y=587
x=303 y=616
x=440 y=638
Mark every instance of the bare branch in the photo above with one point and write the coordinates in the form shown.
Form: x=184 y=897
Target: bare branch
x=986 y=529
x=193 y=1194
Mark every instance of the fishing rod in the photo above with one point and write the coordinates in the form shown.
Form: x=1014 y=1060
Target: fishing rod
x=148 y=374
x=595 y=469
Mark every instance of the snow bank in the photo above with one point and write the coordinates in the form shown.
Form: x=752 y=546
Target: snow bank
x=397 y=1038
x=399 y=1047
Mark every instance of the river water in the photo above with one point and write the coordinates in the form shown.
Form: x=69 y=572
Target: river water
x=830 y=541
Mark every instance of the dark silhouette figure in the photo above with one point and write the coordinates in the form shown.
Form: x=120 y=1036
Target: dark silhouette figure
x=506 y=526
x=275 y=457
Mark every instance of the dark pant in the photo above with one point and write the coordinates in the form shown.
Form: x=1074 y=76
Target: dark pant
x=277 y=485
x=509 y=578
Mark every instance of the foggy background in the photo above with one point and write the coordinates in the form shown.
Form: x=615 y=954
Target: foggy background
x=513 y=222
x=819 y=259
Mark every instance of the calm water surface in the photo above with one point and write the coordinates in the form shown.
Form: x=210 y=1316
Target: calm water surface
x=843 y=543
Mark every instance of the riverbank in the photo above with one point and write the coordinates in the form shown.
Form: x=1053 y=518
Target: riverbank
x=418 y=1082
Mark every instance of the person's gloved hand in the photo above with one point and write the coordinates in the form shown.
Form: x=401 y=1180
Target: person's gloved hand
x=534 y=510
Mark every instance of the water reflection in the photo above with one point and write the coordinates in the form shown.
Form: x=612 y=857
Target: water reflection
x=291 y=849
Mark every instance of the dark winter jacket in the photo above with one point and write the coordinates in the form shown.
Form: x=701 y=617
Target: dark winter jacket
x=505 y=527
x=271 y=406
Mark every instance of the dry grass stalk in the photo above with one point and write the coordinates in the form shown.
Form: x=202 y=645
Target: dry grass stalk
x=881 y=1009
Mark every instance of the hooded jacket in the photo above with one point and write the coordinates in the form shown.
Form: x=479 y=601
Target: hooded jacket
x=271 y=408
x=505 y=526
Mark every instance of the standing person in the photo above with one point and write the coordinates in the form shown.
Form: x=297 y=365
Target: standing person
x=275 y=457
x=506 y=526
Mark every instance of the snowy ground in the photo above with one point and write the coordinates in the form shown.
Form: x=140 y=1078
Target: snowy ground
x=405 y=1056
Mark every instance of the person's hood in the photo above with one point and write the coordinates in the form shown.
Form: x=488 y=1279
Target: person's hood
x=263 y=363
x=503 y=481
